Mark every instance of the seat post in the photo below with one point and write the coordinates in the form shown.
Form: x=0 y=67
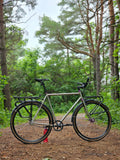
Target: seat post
x=43 y=84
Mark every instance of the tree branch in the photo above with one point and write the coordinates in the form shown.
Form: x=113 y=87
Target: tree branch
x=72 y=48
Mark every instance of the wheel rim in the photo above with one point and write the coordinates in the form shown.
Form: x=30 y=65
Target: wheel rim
x=27 y=132
x=97 y=126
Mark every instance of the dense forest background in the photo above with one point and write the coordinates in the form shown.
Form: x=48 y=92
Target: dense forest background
x=85 y=42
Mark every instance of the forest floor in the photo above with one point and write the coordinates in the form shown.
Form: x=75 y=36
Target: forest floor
x=63 y=145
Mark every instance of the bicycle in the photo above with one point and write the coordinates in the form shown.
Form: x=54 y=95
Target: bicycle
x=90 y=119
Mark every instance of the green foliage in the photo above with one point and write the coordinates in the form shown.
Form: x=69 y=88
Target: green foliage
x=3 y=82
x=114 y=107
x=4 y=114
x=63 y=67
x=47 y=159
x=47 y=36
x=4 y=118
x=62 y=107
x=26 y=71
x=48 y=27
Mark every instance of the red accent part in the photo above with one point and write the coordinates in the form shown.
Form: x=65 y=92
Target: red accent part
x=46 y=139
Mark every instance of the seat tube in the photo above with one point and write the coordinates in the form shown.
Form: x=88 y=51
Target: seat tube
x=51 y=108
x=38 y=109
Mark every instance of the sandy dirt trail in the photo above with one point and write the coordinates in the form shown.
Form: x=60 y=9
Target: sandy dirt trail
x=63 y=145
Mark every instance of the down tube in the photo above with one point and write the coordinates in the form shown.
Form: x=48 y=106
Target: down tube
x=71 y=108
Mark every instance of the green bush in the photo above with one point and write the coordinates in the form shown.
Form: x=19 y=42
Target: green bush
x=114 y=107
x=4 y=114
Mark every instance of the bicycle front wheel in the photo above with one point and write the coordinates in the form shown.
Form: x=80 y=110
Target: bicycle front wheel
x=97 y=126
x=26 y=130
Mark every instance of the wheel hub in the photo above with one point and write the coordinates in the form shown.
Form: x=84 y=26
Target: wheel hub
x=92 y=120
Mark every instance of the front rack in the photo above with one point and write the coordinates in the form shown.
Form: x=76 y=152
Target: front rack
x=99 y=98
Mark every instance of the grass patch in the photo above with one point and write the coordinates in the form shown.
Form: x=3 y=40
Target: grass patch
x=46 y=159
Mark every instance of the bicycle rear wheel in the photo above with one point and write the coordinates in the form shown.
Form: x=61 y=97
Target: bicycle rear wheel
x=21 y=122
x=96 y=127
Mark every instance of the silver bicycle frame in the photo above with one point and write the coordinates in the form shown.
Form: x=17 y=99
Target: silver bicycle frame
x=60 y=94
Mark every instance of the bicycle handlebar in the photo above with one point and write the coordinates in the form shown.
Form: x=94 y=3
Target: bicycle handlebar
x=83 y=85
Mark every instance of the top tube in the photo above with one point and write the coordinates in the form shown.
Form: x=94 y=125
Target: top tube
x=59 y=94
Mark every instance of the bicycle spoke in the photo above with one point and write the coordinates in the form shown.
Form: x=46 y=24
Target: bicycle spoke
x=25 y=129
x=95 y=127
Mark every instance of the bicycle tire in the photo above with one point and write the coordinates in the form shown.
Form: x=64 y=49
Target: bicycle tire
x=95 y=128
x=21 y=126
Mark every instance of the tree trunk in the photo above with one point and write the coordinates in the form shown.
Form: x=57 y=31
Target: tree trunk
x=6 y=90
x=68 y=62
x=111 y=51
x=98 y=42
x=94 y=73
x=118 y=2
x=98 y=73
x=116 y=70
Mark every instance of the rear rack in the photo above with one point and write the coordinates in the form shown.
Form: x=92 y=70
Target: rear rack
x=23 y=99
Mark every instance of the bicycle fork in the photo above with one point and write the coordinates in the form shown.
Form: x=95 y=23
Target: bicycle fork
x=85 y=108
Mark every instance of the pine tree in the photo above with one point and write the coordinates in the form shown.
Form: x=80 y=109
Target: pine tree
x=6 y=17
